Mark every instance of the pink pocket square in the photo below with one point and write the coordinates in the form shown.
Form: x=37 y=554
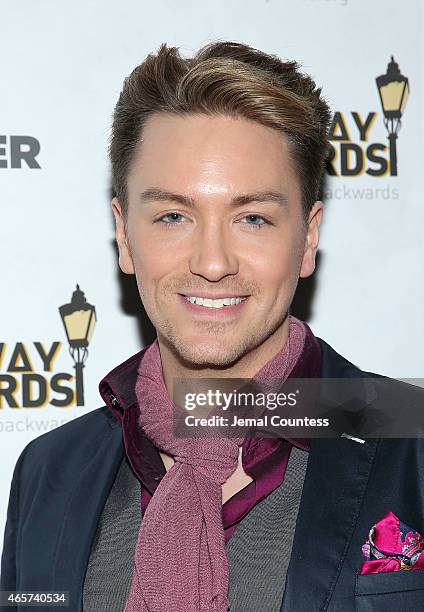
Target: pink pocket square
x=392 y=546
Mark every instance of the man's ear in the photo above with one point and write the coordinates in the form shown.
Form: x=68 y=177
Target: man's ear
x=125 y=259
x=312 y=239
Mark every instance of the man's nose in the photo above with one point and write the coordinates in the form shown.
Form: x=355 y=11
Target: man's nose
x=213 y=254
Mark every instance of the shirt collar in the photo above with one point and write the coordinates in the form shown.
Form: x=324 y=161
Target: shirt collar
x=117 y=389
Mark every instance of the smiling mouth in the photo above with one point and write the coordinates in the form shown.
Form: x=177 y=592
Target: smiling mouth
x=215 y=303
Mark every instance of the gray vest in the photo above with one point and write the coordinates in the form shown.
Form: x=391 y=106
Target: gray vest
x=258 y=551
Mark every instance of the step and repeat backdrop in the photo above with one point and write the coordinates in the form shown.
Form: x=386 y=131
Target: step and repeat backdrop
x=61 y=70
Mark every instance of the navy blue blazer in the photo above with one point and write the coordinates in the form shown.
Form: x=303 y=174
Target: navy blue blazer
x=62 y=480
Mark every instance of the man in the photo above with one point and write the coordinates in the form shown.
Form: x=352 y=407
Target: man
x=217 y=163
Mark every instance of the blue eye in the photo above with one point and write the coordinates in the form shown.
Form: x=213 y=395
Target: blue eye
x=171 y=218
x=253 y=220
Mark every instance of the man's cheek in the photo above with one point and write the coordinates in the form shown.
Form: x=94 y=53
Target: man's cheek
x=276 y=272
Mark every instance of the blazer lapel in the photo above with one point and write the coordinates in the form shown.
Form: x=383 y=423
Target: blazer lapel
x=335 y=482
x=84 y=510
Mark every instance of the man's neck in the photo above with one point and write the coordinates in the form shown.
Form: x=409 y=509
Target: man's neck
x=246 y=367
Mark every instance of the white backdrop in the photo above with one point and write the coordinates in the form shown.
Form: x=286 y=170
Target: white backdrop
x=62 y=67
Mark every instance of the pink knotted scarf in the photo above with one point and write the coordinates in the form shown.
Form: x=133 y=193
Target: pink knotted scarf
x=180 y=561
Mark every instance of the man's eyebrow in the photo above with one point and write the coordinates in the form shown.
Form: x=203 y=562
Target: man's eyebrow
x=161 y=195
x=261 y=196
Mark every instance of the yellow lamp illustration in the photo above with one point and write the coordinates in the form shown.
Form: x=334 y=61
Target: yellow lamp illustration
x=79 y=319
x=393 y=89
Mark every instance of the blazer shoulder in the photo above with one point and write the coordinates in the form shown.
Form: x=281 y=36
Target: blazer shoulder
x=69 y=445
x=335 y=365
x=400 y=402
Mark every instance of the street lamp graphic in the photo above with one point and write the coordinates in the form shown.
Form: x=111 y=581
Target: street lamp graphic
x=393 y=88
x=79 y=320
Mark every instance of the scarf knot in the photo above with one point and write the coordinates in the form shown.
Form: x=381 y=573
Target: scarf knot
x=204 y=460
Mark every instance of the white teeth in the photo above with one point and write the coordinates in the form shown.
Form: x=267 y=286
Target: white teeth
x=209 y=303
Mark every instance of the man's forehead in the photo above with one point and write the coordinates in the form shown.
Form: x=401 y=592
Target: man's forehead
x=213 y=153
x=203 y=130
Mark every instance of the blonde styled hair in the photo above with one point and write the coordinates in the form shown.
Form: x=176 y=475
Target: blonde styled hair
x=224 y=78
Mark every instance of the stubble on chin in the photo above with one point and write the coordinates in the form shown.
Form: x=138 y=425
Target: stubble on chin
x=212 y=349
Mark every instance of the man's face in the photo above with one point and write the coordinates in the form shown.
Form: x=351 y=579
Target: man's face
x=214 y=212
